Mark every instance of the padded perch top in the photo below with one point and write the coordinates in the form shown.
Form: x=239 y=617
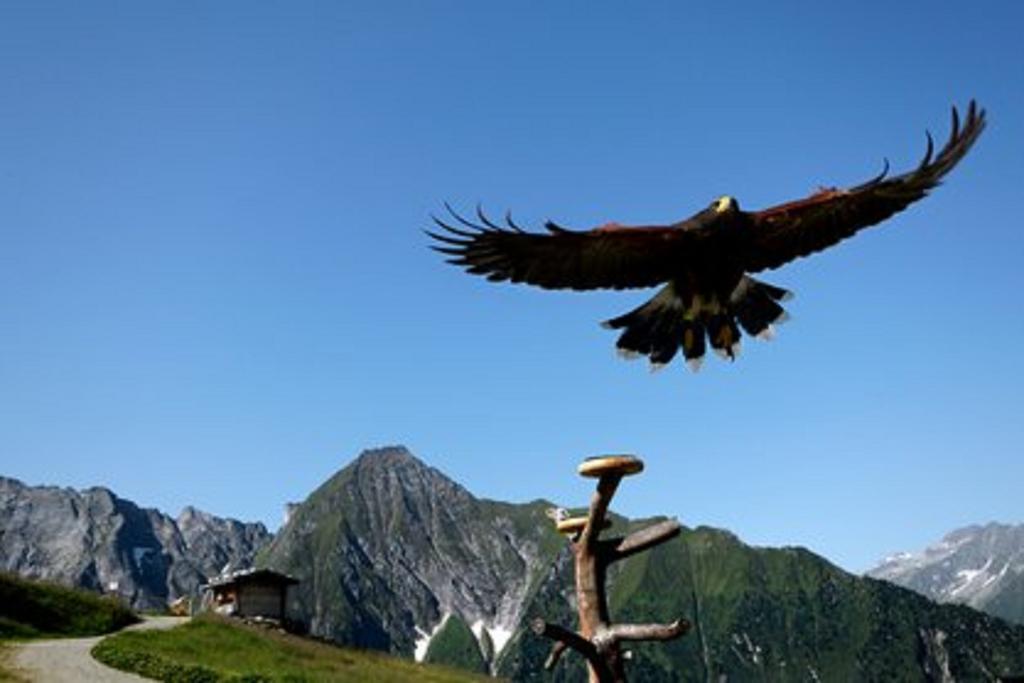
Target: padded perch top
x=622 y=465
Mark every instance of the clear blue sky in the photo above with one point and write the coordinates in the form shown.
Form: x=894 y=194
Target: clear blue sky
x=214 y=289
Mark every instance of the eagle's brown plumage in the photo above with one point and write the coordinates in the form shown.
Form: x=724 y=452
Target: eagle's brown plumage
x=703 y=261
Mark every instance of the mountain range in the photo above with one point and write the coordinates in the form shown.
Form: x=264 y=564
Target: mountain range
x=94 y=539
x=980 y=566
x=393 y=555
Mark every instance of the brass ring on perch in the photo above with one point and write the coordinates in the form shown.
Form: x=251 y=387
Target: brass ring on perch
x=623 y=465
x=574 y=525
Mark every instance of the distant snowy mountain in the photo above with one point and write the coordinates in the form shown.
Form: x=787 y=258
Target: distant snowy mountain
x=980 y=566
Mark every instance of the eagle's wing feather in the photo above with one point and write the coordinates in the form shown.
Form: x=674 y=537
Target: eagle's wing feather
x=610 y=257
x=786 y=232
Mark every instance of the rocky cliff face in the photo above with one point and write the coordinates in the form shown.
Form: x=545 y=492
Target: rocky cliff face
x=388 y=547
x=980 y=566
x=96 y=540
x=391 y=552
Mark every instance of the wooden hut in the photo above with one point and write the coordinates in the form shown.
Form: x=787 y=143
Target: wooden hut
x=252 y=593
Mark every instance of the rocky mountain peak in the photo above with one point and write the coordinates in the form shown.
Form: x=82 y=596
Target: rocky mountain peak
x=94 y=539
x=190 y=514
x=978 y=565
x=387 y=456
x=392 y=526
x=394 y=487
x=10 y=482
x=394 y=466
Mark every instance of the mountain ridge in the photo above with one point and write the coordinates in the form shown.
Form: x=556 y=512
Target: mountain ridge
x=389 y=547
x=979 y=565
x=91 y=538
x=427 y=575
x=390 y=550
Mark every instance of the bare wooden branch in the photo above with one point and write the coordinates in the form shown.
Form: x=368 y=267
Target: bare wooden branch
x=599 y=502
x=620 y=632
x=565 y=636
x=638 y=541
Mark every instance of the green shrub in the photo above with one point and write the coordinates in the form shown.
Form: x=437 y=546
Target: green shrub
x=115 y=654
x=9 y=628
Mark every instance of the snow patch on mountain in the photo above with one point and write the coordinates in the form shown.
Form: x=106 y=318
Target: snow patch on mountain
x=968 y=579
x=499 y=635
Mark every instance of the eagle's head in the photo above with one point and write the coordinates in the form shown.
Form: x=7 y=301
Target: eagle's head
x=725 y=204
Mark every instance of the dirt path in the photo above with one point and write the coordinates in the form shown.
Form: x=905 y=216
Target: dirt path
x=67 y=660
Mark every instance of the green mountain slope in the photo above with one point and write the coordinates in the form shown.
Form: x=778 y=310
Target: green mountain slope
x=780 y=615
x=456 y=645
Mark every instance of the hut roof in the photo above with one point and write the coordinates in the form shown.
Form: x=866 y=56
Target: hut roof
x=244 y=576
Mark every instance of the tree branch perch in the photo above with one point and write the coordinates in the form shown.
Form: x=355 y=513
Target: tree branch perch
x=599 y=502
x=638 y=541
x=564 y=636
x=621 y=632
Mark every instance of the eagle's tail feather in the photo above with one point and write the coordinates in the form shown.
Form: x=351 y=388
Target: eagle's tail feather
x=724 y=335
x=756 y=305
x=664 y=324
x=653 y=329
x=693 y=343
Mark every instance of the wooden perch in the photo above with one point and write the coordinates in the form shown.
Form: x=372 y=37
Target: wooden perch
x=564 y=638
x=598 y=640
x=622 y=632
x=638 y=541
x=606 y=487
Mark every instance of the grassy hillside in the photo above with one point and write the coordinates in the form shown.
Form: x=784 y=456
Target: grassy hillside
x=210 y=650
x=32 y=609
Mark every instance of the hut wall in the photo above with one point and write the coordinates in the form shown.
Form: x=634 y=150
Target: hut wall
x=260 y=600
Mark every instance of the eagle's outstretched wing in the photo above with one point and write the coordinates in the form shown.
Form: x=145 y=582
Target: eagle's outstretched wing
x=782 y=233
x=610 y=257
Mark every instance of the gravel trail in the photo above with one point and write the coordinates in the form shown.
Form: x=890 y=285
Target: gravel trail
x=67 y=660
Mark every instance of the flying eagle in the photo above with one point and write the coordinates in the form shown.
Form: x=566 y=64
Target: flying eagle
x=703 y=262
